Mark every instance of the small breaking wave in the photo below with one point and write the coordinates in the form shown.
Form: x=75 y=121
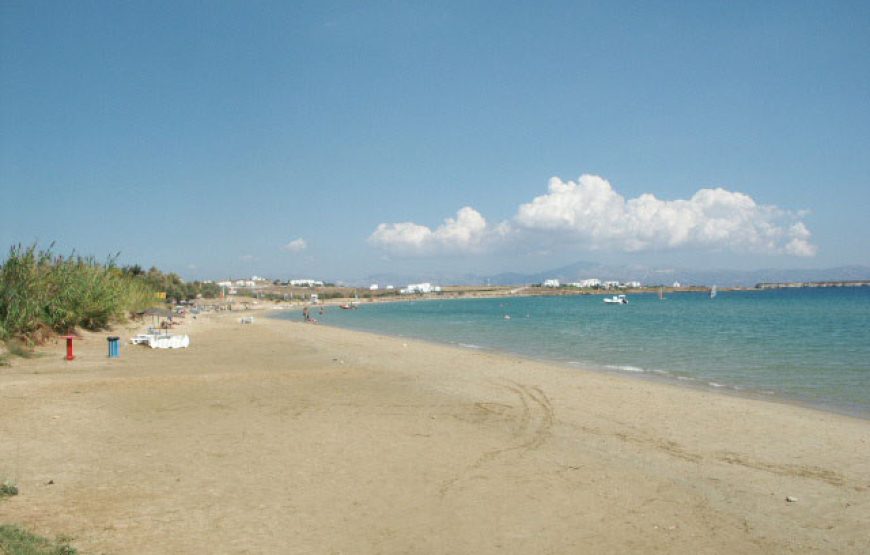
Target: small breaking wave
x=625 y=368
x=469 y=345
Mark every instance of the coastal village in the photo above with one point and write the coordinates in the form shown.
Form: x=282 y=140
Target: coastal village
x=319 y=290
x=315 y=291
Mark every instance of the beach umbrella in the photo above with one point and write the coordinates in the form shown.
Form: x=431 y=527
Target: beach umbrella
x=161 y=312
x=157 y=313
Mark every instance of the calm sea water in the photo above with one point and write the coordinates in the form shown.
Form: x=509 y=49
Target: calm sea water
x=808 y=345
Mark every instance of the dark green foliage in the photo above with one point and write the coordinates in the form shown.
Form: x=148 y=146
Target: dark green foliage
x=172 y=284
x=333 y=295
x=8 y=490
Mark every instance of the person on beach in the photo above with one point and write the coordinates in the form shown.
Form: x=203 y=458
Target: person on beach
x=305 y=313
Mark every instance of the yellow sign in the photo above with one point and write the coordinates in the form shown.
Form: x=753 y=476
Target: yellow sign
x=161 y=295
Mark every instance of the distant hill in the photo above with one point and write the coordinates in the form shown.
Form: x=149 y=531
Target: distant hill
x=644 y=274
x=655 y=276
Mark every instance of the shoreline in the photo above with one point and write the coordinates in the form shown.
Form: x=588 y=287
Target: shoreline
x=669 y=380
x=276 y=434
x=662 y=377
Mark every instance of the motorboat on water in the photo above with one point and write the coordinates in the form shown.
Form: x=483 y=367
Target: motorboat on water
x=616 y=299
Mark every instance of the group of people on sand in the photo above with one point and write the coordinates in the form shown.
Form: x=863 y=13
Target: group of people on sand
x=306 y=315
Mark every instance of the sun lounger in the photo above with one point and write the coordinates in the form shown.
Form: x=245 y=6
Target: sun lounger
x=168 y=341
x=139 y=339
x=161 y=341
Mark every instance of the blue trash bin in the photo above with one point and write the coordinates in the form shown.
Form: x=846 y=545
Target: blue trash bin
x=114 y=346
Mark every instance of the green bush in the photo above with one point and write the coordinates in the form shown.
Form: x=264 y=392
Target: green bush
x=172 y=284
x=41 y=293
x=17 y=541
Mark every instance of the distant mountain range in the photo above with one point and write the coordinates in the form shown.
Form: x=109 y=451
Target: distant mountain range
x=644 y=274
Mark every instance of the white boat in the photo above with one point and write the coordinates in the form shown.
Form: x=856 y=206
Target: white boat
x=617 y=299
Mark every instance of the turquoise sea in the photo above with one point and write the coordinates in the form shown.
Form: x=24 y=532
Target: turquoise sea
x=805 y=345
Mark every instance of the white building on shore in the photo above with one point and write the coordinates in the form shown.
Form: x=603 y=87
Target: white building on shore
x=586 y=283
x=420 y=288
x=551 y=283
x=306 y=283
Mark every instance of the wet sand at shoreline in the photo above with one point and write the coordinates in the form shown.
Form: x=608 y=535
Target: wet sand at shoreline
x=281 y=437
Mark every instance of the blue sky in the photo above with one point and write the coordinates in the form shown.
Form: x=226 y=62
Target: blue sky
x=205 y=137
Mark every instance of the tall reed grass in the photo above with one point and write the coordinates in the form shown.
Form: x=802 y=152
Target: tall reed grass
x=42 y=293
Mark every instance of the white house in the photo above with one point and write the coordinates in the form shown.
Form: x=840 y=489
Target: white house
x=633 y=284
x=420 y=288
x=306 y=283
x=373 y=287
x=677 y=285
x=390 y=287
x=610 y=284
x=550 y=283
x=586 y=283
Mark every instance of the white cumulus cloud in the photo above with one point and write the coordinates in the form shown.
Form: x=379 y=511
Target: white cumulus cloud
x=465 y=233
x=800 y=245
x=296 y=245
x=589 y=213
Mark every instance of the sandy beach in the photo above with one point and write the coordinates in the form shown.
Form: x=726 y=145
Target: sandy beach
x=282 y=437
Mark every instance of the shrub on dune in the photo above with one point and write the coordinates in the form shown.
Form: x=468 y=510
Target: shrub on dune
x=42 y=293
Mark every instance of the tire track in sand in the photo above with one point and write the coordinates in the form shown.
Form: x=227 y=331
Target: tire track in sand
x=533 y=418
